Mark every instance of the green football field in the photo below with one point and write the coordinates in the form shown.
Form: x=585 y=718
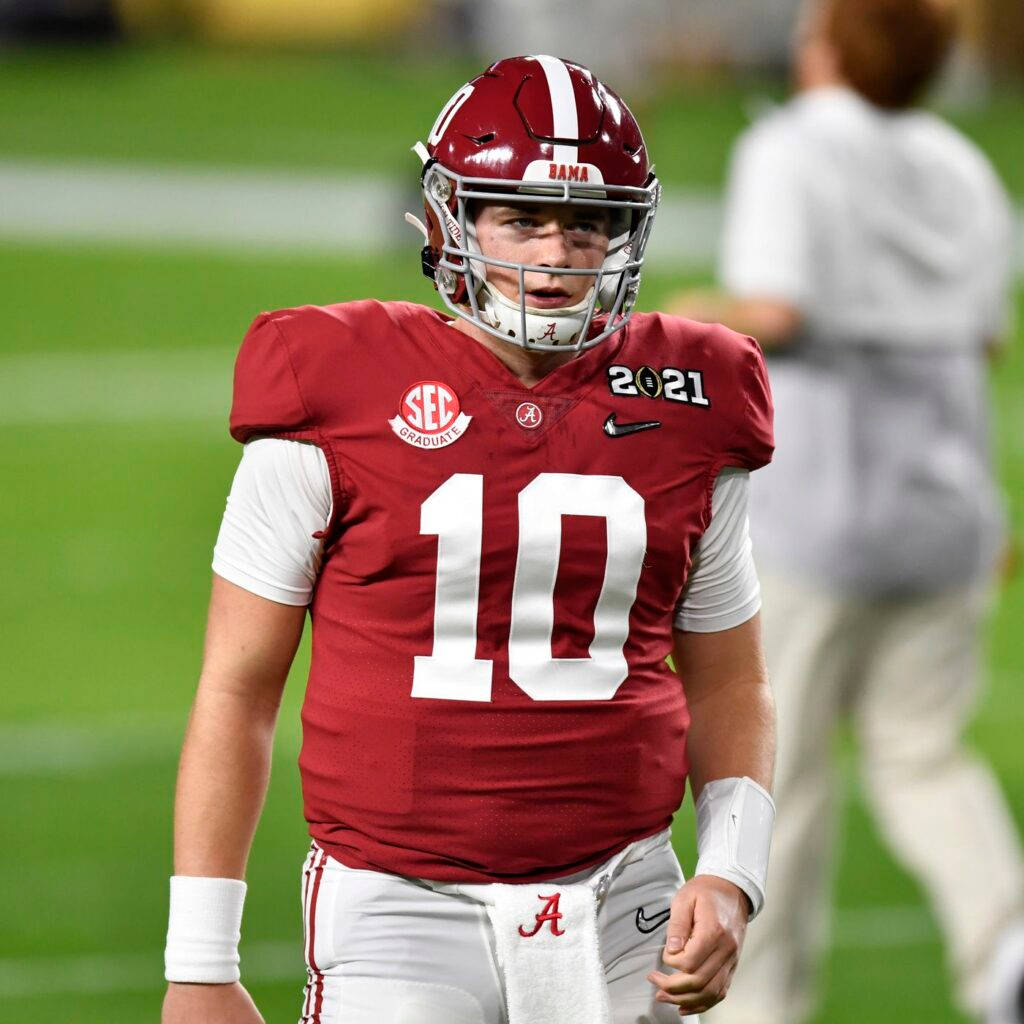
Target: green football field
x=114 y=384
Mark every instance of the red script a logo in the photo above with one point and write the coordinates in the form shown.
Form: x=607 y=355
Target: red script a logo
x=549 y=913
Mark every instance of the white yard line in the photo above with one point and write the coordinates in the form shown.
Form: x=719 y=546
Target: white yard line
x=259 y=211
x=277 y=211
x=198 y=206
x=108 y=973
x=76 y=747
x=49 y=749
x=112 y=387
x=268 y=962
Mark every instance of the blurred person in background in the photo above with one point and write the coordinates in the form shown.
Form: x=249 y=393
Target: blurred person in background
x=867 y=247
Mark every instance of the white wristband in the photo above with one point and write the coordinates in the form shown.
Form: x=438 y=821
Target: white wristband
x=734 y=835
x=203 y=929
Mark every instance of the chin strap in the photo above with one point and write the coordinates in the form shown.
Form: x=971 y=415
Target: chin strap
x=559 y=326
x=411 y=218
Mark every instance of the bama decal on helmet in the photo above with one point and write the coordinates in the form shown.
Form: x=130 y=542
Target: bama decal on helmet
x=547 y=170
x=568 y=172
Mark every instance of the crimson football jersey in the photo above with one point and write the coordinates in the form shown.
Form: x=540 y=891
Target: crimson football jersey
x=488 y=698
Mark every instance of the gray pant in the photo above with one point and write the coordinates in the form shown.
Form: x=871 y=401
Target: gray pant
x=906 y=674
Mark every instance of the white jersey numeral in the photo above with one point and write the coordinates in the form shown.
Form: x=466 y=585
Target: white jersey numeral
x=541 y=507
x=455 y=513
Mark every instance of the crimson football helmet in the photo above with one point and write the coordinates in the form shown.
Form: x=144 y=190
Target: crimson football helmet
x=541 y=130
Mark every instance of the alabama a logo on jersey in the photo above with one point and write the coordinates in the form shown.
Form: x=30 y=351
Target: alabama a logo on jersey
x=429 y=416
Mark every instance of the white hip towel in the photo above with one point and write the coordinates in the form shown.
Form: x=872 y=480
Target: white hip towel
x=547 y=940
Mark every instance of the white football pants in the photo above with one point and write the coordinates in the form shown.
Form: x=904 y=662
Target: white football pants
x=906 y=674
x=383 y=949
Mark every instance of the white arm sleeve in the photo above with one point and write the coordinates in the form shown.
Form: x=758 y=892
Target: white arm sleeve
x=280 y=497
x=723 y=590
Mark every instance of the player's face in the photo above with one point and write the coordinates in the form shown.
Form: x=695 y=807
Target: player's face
x=547 y=235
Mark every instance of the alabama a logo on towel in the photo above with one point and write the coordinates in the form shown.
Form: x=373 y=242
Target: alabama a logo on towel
x=550 y=914
x=429 y=416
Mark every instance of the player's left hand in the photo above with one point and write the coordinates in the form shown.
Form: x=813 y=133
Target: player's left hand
x=705 y=934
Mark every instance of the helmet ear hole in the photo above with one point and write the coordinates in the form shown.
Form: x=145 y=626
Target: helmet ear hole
x=434 y=236
x=472 y=209
x=622 y=223
x=428 y=262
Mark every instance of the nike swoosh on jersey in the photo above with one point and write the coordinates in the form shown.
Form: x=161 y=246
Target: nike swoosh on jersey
x=649 y=924
x=613 y=429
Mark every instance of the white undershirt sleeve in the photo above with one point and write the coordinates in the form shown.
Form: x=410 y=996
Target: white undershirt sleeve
x=723 y=590
x=280 y=497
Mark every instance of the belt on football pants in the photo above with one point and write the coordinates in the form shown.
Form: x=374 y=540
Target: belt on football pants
x=546 y=938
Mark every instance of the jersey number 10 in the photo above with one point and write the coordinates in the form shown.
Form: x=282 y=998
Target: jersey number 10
x=454 y=512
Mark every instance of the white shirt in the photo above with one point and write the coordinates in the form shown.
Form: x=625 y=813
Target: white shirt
x=881 y=227
x=892 y=236
x=281 y=497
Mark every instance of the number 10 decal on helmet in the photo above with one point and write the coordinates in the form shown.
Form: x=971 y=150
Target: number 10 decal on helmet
x=536 y=131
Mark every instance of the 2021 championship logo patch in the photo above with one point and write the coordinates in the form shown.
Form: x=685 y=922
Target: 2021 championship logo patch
x=430 y=416
x=669 y=383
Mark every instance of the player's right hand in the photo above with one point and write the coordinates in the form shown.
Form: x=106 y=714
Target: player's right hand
x=209 y=1004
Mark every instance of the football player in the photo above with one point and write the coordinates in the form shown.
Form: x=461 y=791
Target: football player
x=501 y=521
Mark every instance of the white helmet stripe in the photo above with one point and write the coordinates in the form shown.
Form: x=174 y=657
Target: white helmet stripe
x=564 y=116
